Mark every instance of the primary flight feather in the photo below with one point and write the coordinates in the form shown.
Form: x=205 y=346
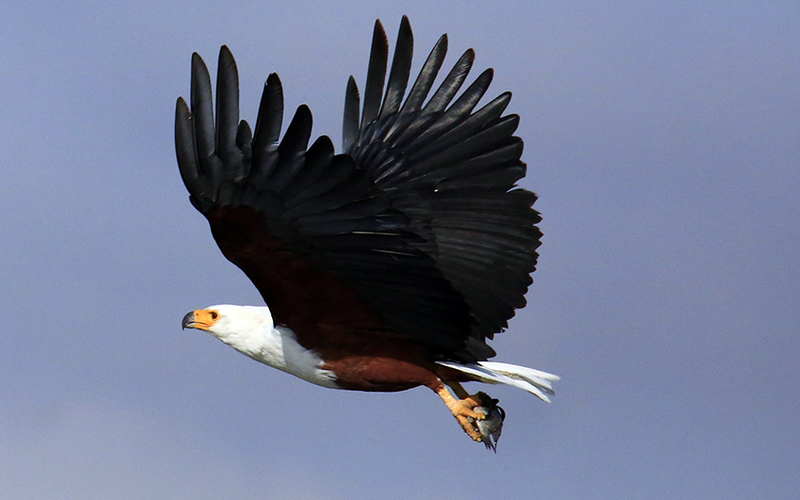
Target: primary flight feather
x=385 y=267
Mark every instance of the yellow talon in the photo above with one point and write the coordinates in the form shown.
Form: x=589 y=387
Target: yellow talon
x=462 y=409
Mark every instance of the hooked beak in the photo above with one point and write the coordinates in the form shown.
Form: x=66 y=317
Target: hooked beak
x=188 y=321
x=200 y=319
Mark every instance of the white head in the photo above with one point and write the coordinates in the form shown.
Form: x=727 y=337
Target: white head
x=242 y=327
x=251 y=331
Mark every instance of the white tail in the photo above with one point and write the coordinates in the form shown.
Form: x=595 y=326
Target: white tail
x=536 y=382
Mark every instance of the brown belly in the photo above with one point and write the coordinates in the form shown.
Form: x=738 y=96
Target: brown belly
x=384 y=365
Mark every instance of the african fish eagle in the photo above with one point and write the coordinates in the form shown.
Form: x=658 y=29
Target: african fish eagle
x=383 y=268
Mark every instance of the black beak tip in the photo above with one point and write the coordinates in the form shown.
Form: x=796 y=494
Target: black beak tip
x=187 y=321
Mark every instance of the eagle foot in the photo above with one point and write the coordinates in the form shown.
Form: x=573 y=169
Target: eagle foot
x=486 y=425
x=464 y=410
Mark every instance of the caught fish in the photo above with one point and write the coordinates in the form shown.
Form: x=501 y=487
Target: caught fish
x=492 y=426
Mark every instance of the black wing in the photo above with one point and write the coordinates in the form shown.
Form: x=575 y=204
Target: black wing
x=322 y=244
x=452 y=172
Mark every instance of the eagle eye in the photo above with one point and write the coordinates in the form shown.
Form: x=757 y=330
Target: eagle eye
x=214 y=315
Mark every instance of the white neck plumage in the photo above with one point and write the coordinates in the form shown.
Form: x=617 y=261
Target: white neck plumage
x=252 y=331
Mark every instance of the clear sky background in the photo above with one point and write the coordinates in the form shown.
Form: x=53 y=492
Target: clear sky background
x=662 y=137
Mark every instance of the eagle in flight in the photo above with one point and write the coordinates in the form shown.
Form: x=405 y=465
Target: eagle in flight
x=383 y=268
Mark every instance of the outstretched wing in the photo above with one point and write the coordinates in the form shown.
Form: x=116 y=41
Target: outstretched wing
x=452 y=171
x=323 y=245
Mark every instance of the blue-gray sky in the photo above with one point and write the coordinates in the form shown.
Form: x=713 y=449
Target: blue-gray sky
x=662 y=137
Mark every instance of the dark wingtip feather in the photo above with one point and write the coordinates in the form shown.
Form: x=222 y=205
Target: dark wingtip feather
x=452 y=83
x=273 y=79
x=201 y=104
x=294 y=143
x=244 y=136
x=303 y=111
x=228 y=111
x=184 y=144
x=267 y=131
x=401 y=68
x=376 y=73
x=351 y=111
x=270 y=113
x=424 y=82
x=197 y=59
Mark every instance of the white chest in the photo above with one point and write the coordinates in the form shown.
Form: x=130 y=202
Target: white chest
x=279 y=349
x=251 y=331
